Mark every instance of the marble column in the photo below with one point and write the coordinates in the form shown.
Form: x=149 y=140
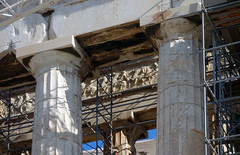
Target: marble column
x=180 y=107
x=124 y=140
x=120 y=143
x=57 y=115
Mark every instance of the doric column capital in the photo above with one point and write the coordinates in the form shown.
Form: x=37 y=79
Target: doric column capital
x=42 y=61
x=173 y=29
x=57 y=51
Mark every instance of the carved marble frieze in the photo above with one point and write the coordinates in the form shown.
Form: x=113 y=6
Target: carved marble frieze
x=23 y=103
x=123 y=80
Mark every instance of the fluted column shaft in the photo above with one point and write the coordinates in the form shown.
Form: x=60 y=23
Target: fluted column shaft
x=180 y=108
x=120 y=142
x=57 y=115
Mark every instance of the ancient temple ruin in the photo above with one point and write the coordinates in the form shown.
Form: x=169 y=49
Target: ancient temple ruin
x=78 y=74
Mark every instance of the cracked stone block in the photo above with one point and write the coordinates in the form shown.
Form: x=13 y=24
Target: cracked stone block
x=26 y=31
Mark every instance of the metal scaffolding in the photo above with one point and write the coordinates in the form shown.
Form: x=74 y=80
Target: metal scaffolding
x=221 y=104
x=11 y=128
x=105 y=108
x=101 y=110
x=11 y=12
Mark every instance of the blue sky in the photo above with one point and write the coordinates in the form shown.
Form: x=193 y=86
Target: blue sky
x=90 y=146
x=151 y=134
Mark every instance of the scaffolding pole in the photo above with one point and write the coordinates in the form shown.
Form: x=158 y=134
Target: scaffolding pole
x=204 y=77
x=223 y=125
x=103 y=110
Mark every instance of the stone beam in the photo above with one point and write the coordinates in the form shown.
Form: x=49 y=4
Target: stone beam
x=227 y=14
x=66 y=44
x=182 y=11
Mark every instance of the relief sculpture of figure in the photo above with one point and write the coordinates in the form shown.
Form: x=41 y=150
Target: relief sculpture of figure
x=115 y=81
x=121 y=82
x=28 y=104
x=2 y=109
x=89 y=90
x=135 y=76
x=17 y=101
x=153 y=75
x=104 y=81
x=144 y=73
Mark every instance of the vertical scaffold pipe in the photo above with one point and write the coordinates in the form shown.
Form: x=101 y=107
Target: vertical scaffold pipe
x=204 y=76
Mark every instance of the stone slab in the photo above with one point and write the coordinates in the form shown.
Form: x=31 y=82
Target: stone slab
x=93 y=15
x=24 y=32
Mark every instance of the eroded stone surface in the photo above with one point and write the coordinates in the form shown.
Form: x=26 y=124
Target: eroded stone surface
x=93 y=15
x=180 y=108
x=120 y=142
x=33 y=3
x=24 y=103
x=29 y=30
x=57 y=115
x=139 y=76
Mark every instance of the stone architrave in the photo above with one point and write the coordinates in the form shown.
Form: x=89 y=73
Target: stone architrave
x=180 y=107
x=57 y=115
